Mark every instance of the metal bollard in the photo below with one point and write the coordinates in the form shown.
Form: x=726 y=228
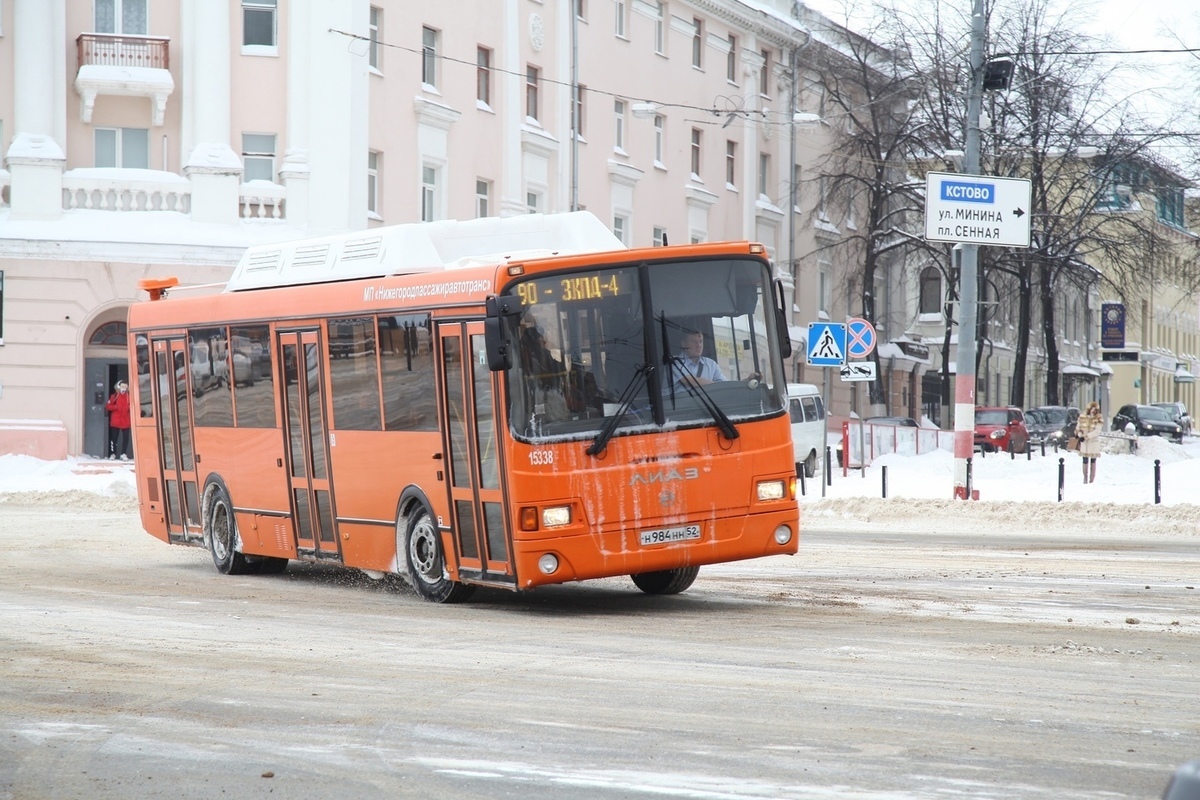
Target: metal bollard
x=1028 y=450
x=1043 y=448
x=969 y=487
x=803 y=484
x=883 y=471
x=828 y=465
x=1062 y=477
x=1157 y=481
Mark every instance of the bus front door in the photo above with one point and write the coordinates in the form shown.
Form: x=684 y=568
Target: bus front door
x=304 y=416
x=176 y=451
x=472 y=455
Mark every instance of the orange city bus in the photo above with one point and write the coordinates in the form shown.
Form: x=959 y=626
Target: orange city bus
x=496 y=402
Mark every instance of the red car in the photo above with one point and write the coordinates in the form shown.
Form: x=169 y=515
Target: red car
x=999 y=426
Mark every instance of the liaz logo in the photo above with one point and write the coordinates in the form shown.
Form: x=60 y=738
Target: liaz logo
x=666 y=476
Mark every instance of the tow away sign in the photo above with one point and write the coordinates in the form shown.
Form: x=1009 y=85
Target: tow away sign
x=977 y=209
x=858 y=371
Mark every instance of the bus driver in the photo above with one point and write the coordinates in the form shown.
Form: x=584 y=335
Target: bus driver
x=693 y=368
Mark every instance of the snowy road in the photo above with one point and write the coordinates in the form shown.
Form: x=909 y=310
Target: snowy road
x=942 y=660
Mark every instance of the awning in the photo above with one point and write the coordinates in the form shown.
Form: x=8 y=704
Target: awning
x=1183 y=376
x=1079 y=369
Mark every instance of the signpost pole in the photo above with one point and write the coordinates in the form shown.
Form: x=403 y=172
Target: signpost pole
x=964 y=378
x=826 y=464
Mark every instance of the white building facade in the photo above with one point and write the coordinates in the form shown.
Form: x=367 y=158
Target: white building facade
x=146 y=138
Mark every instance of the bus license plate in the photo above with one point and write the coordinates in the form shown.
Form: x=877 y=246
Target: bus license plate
x=665 y=535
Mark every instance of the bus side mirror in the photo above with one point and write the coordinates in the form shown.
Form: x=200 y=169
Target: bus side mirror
x=781 y=326
x=499 y=349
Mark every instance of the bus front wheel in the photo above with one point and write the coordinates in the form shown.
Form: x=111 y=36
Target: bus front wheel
x=427 y=563
x=668 y=581
x=222 y=535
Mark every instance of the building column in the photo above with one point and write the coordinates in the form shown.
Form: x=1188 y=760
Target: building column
x=512 y=114
x=35 y=158
x=295 y=171
x=212 y=166
x=335 y=130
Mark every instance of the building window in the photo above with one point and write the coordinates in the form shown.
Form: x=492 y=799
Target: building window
x=1168 y=204
x=376 y=22
x=622 y=17
x=110 y=334
x=931 y=291
x=731 y=60
x=258 y=156
x=730 y=164
x=764 y=75
x=697 y=43
x=373 y=182
x=764 y=173
x=696 y=134
x=429 y=176
x=533 y=201
x=578 y=119
x=619 y=122
x=620 y=229
x=429 y=57
x=532 y=75
x=123 y=147
x=660 y=236
x=121 y=16
x=823 y=292
x=258 y=23
x=660 y=134
x=483 y=75
x=483 y=196
x=660 y=27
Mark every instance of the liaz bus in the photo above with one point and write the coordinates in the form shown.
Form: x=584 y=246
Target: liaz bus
x=498 y=402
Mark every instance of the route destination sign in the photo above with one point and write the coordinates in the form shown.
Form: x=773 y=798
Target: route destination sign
x=977 y=209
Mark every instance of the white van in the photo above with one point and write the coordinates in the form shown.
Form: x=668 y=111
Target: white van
x=807 y=412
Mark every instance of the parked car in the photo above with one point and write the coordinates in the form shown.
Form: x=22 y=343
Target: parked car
x=1051 y=424
x=1148 y=421
x=807 y=413
x=999 y=428
x=1179 y=413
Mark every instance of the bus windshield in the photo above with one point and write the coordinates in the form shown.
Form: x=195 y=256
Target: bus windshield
x=670 y=344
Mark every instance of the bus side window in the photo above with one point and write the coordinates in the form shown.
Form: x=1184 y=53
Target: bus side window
x=353 y=375
x=406 y=356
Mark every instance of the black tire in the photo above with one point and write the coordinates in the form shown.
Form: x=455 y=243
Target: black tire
x=426 y=562
x=220 y=531
x=668 y=581
x=810 y=465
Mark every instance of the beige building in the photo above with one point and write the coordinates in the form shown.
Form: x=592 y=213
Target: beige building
x=162 y=137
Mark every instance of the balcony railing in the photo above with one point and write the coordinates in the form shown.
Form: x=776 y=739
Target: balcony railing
x=123 y=50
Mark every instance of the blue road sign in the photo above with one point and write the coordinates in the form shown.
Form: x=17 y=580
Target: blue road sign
x=826 y=344
x=860 y=338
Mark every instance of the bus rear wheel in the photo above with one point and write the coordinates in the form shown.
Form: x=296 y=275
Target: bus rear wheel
x=222 y=535
x=427 y=563
x=668 y=581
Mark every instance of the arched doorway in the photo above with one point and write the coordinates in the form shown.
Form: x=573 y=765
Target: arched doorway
x=106 y=361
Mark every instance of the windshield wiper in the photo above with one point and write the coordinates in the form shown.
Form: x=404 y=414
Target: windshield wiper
x=624 y=402
x=675 y=362
x=722 y=419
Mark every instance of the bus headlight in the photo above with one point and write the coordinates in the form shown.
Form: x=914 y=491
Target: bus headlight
x=548 y=563
x=556 y=516
x=783 y=534
x=770 y=490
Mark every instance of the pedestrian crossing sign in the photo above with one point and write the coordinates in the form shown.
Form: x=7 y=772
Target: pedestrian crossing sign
x=826 y=344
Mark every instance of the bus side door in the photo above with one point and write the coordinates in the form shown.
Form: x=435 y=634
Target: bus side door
x=481 y=538
x=176 y=454
x=307 y=438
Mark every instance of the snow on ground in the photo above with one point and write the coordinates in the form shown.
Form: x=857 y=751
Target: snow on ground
x=1012 y=492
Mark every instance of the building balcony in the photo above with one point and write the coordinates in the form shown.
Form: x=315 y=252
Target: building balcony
x=132 y=190
x=127 y=65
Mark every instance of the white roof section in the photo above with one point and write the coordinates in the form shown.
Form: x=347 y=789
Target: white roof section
x=421 y=247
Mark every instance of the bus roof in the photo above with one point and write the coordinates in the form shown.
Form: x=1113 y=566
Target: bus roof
x=420 y=247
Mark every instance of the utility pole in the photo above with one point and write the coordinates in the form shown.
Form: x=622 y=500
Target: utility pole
x=968 y=290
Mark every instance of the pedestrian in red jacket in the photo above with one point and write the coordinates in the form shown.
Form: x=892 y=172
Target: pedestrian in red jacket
x=118 y=422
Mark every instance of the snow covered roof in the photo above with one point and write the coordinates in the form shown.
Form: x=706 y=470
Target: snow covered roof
x=421 y=247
